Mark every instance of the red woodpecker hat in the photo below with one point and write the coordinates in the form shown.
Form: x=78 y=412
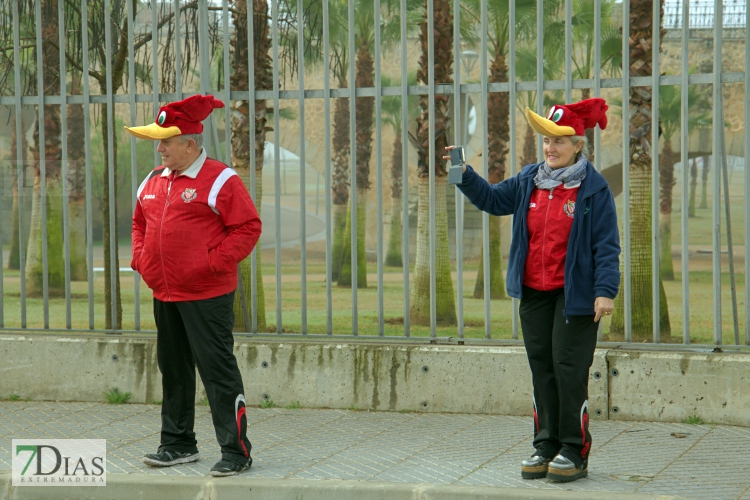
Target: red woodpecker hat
x=570 y=119
x=178 y=118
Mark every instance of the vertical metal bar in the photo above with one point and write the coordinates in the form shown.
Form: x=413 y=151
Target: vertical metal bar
x=42 y=159
x=569 y=50
x=716 y=153
x=379 y=166
x=302 y=162
x=655 y=276
x=329 y=196
x=353 y=170
x=87 y=149
x=20 y=167
x=539 y=70
x=276 y=154
x=114 y=265
x=730 y=246
x=64 y=160
x=457 y=139
x=486 y=169
x=253 y=165
x=405 y=170
x=626 y=283
x=684 y=191
x=155 y=69
x=134 y=181
x=178 y=49
x=512 y=153
x=747 y=177
x=431 y=160
x=227 y=90
x=597 y=93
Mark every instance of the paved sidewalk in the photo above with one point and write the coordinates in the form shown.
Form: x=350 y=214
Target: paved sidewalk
x=692 y=461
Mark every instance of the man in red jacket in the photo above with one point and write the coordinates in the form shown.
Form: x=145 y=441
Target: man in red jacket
x=194 y=222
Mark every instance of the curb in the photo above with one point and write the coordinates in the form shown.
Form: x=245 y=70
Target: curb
x=143 y=487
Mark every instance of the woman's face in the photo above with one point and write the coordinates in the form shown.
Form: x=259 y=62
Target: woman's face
x=559 y=152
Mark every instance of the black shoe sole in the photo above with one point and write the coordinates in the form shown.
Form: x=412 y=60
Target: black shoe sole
x=155 y=463
x=563 y=478
x=533 y=475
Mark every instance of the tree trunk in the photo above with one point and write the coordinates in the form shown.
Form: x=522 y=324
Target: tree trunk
x=393 y=256
x=666 y=178
x=498 y=110
x=704 y=184
x=107 y=198
x=693 y=186
x=364 y=119
x=340 y=181
x=497 y=283
x=14 y=260
x=345 y=274
x=34 y=260
x=420 y=286
x=419 y=295
x=241 y=138
x=77 y=186
x=640 y=189
x=529 y=147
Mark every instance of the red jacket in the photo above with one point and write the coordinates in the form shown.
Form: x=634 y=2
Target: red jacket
x=549 y=221
x=191 y=230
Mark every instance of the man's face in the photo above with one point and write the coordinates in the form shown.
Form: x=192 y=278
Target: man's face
x=176 y=153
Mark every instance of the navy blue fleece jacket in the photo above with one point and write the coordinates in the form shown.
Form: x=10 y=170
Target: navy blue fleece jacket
x=592 y=263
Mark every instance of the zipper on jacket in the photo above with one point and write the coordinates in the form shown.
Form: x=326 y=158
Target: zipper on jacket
x=544 y=241
x=161 y=228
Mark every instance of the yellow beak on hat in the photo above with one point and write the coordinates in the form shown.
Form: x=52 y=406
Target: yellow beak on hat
x=154 y=132
x=547 y=127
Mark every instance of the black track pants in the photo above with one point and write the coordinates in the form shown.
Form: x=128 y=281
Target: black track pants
x=560 y=353
x=199 y=333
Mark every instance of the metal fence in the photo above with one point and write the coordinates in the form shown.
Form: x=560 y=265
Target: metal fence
x=389 y=303
x=702 y=14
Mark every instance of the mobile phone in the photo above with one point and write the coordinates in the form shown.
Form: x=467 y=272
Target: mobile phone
x=455 y=173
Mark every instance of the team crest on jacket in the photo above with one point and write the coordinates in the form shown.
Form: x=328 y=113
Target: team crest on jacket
x=188 y=195
x=569 y=208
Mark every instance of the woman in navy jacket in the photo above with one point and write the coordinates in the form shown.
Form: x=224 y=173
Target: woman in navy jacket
x=564 y=266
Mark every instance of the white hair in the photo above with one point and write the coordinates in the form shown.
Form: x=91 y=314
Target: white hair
x=575 y=139
x=198 y=138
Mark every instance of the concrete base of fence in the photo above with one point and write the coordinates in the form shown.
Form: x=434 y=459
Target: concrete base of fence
x=129 y=487
x=624 y=384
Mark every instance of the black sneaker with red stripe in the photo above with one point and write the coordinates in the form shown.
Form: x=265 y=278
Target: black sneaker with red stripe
x=226 y=467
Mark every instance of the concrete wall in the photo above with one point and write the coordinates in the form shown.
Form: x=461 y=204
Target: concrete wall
x=629 y=385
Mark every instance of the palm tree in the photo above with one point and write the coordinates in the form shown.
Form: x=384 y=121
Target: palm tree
x=641 y=15
x=241 y=133
x=76 y=184
x=420 y=285
x=670 y=114
x=391 y=109
x=498 y=110
x=583 y=48
x=53 y=156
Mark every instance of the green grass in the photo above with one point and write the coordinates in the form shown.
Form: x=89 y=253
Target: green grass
x=294 y=405
x=267 y=403
x=14 y=397
x=203 y=402
x=115 y=397
x=693 y=420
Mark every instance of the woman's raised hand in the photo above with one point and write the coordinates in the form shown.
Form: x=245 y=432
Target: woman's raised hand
x=448 y=148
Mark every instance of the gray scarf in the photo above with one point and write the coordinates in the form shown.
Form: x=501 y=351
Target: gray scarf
x=572 y=176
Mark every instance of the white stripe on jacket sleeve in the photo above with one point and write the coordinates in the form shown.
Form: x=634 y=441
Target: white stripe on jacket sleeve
x=218 y=184
x=143 y=185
